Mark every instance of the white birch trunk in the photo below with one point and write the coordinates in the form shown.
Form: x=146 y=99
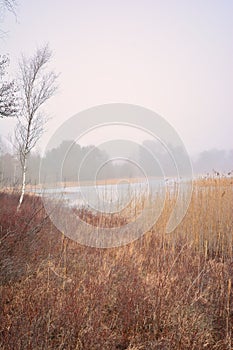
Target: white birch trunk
x=23 y=184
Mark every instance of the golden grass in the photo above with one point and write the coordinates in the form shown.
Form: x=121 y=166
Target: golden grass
x=163 y=291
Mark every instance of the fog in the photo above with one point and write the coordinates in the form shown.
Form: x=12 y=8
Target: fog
x=173 y=57
x=70 y=162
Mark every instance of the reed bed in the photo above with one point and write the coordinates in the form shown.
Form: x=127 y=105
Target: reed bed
x=162 y=291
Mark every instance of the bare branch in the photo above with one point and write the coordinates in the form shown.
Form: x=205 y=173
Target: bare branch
x=8 y=91
x=9 y=5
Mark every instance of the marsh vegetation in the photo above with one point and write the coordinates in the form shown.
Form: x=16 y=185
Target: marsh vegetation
x=162 y=291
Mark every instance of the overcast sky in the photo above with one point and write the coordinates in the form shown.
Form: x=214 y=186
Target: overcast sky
x=174 y=57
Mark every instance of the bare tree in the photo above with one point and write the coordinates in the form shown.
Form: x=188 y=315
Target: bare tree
x=37 y=85
x=8 y=91
x=6 y=5
x=9 y=5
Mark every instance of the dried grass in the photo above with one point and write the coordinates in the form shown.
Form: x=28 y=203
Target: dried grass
x=163 y=291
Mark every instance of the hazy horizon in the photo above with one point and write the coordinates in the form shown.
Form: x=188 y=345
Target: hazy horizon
x=172 y=57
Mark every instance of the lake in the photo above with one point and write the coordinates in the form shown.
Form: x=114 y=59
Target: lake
x=108 y=197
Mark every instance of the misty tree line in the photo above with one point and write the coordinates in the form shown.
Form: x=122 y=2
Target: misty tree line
x=57 y=166
x=63 y=163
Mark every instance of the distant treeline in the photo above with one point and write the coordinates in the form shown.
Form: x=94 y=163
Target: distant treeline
x=69 y=162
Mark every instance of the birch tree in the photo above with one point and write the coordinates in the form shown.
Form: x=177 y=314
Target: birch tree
x=37 y=85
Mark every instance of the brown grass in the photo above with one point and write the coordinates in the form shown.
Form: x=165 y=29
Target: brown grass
x=163 y=291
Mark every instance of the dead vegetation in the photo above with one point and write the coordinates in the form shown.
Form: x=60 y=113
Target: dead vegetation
x=163 y=291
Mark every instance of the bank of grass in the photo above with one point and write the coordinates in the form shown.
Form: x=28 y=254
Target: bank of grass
x=163 y=291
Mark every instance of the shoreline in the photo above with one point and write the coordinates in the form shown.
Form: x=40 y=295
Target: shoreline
x=70 y=184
